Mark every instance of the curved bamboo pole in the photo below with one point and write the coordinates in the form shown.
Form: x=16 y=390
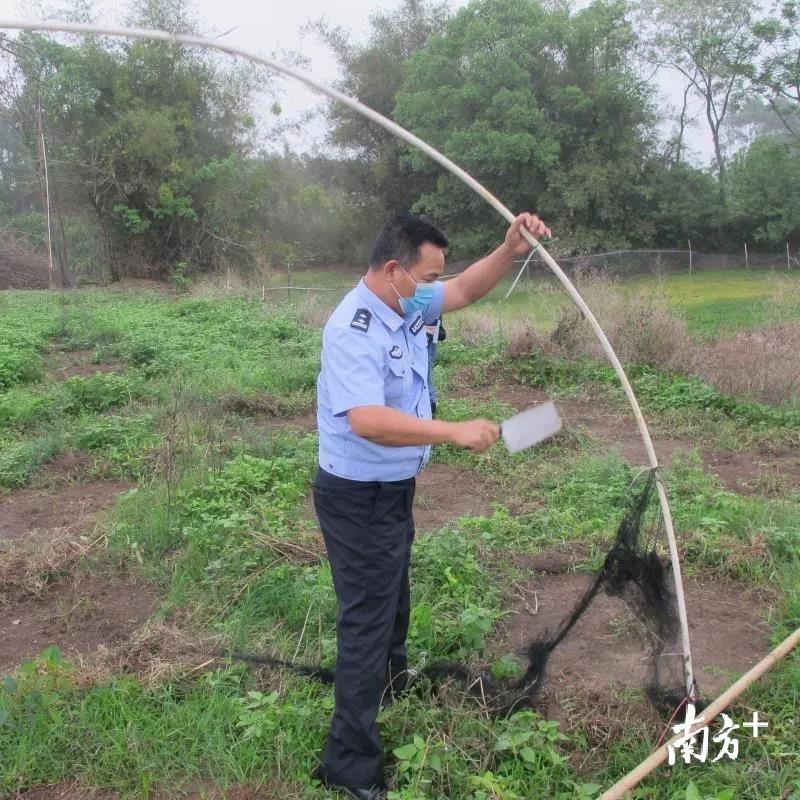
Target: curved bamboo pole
x=717 y=707
x=481 y=191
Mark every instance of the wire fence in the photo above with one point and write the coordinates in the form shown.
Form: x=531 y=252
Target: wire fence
x=619 y=263
x=656 y=261
x=23 y=267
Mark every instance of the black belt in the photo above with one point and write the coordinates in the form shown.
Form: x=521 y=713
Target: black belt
x=327 y=480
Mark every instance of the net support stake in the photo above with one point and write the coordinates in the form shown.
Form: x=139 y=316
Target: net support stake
x=479 y=189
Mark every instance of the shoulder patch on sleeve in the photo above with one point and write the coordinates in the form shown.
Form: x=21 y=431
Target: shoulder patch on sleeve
x=416 y=326
x=361 y=319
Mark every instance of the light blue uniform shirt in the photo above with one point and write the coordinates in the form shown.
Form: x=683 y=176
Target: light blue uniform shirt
x=371 y=356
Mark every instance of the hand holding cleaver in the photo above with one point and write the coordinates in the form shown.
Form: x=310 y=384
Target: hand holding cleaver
x=530 y=427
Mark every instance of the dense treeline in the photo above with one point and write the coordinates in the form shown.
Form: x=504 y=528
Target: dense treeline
x=155 y=153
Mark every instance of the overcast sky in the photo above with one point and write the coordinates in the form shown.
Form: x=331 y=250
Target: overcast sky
x=271 y=26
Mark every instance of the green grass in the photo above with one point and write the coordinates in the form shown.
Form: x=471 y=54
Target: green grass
x=721 y=300
x=219 y=526
x=657 y=391
x=712 y=301
x=205 y=352
x=122 y=735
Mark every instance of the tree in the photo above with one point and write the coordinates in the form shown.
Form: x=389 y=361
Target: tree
x=765 y=192
x=27 y=123
x=676 y=145
x=542 y=106
x=149 y=135
x=373 y=71
x=755 y=118
x=777 y=74
x=685 y=206
x=709 y=43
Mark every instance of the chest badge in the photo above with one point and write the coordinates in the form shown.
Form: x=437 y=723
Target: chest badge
x=416 y=326
x=395 y=352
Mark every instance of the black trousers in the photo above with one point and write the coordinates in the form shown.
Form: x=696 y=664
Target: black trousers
x=368 y=530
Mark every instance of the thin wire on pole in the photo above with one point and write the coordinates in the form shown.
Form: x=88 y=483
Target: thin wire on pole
x=519 y=274
x=47 y=207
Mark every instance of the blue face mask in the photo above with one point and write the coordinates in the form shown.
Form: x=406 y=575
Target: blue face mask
x=420 y=300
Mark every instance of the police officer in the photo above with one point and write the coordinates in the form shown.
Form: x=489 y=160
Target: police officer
x=375 y=435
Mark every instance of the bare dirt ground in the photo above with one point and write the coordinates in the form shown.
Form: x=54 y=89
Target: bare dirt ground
x=62 y=364
x=68 y=790
x=77 y=616
x=273 y=790
x=445 y=493
x=606 y=648
x=44 y=597
x=305 y=422
x=70 y=507
x=64 y=469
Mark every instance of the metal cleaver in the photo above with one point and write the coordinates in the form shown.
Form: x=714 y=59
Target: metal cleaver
x=530 y=427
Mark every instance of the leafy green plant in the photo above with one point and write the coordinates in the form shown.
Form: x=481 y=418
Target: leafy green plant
x=693 y=793
x=456 y=603
x=505 y=668
x=475 y=623
x=256 y=717
x=38 y=688
x=531 y=739
x=491 y=787
x=21 y=409
x=101 y=391
x=19 y=459
x=124 y=442
x=19 y=363
x=178 y=276
x=419 y=762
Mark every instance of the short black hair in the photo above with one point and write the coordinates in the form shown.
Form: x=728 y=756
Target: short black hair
x=401 y=237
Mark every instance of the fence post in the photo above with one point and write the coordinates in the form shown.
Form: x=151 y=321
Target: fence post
x=788 y=260
x=746 y=259
x=690 y=255
x=289 y=278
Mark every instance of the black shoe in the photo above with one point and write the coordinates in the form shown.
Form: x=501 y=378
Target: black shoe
x=364 y=794
x=373 y=793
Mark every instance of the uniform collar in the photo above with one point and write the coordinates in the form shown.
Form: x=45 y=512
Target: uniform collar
x=387 y=316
